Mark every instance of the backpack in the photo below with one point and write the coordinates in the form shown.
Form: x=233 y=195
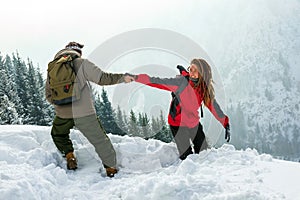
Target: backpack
x=62 y=77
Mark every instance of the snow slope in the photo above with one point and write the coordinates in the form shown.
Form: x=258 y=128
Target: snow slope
x=31 y=168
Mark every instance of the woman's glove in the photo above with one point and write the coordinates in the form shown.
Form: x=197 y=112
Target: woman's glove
x=181 y=69
x=227 y=133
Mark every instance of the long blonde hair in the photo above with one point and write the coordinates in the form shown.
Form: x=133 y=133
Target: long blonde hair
x=205 y=81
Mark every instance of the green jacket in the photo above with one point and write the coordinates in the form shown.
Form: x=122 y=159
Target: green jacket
x=86 y=71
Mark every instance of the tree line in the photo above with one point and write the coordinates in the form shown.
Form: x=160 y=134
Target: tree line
x=22 y=101
x=136 y=124
x=22 y=93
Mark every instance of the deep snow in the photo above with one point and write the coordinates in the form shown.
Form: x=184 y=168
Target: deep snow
x=32 y=168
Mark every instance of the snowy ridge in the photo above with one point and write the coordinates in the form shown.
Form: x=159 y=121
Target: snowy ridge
x=31 y=168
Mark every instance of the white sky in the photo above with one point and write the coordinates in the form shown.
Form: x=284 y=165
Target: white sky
x=38 y=29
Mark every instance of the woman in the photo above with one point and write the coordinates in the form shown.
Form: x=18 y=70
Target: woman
x=189 y=91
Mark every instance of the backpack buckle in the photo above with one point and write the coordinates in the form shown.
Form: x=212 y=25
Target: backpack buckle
x=66 y=88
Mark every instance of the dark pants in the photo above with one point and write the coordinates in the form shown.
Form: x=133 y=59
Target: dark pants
x=91 y=128
x=183 y=135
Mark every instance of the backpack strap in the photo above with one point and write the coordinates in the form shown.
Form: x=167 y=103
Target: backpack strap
x=182 y=86
x=72 y=64
x=176 y=97
x=184 y=73
x=73 y=56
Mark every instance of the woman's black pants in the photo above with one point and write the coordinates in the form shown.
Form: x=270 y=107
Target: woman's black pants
x=184 y=136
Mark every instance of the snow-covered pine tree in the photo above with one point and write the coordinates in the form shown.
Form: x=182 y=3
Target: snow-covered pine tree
x=97 y=103
x=155 y=125
x=132 y=128
x=295 y=142
x=22 y=85
x=145 y=126
x=36 y=103
x=120 y=121
x=126 y=127
x=112 y=123
x=107 y=115
x=3 y=80
x=164 y=134
x=139 y=125
x=286 y=78
x=269 y=95
x=47 y=109
x=8 y=113
x=238 y=127
x=1 y=60
x=258 y=138
x=12 y=86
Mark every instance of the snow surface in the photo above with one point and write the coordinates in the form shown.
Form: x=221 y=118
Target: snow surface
x=32 y=168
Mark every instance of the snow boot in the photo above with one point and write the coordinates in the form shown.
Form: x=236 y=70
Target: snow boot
x=71 y=161
x=111 y=171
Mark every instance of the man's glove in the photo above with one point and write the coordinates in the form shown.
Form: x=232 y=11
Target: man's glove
x=227 y=133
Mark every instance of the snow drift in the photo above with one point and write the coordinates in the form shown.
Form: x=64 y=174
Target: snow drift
x=32 y=168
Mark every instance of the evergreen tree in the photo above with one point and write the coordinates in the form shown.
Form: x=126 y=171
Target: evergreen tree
x=140 y=120
x=11 y=84
x=238 y=126
x=8 y=113
x=296 y=141
x=1 y=61
x=33 y=110
x=24 y=88
x=286 y=78
x=258 y=138
x=3 y=83
x=97 y=103
x=155 y=125
x=145 y=127
x=126 y=127
x=47 y=109
x=36 y=104
x=22 y=85
x=107 y=115
x=133 y=128
x=120 y=121
x=269 y=95
x=270 y=129
x=164 y=133
x=280 y=143
x=266 y=140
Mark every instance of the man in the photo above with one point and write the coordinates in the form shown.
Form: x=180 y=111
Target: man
x=81 y=113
